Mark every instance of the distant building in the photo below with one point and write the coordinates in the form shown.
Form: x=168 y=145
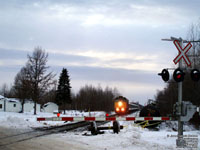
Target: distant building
x=2 y=103
x=10 y=105
x=29 y=106
x=49 y=107
x=14 y=105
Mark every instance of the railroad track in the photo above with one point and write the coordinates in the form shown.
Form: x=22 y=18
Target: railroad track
x=39 y=132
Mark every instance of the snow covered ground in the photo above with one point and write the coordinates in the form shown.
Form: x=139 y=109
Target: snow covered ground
x=28 y=120
x=132 y=137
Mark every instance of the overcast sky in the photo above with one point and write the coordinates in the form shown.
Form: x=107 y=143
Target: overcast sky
x=115 y=43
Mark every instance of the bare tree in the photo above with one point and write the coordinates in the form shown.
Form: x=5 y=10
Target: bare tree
x=194 y=35
x=4 y=90
x=95 y=98
x=37 y=68
x=22 y=86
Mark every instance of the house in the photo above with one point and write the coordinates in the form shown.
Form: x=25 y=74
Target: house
x=2 y=103
x=14 y=105
x=29 y=106
x=49 y=107
x=10 y=105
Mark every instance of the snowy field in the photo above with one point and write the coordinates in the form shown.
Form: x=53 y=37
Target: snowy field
x=132 y=137
x=28 y=120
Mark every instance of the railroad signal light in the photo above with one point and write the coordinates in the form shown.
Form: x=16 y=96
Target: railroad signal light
x=164 y=74
x=195 y=75
x=178 y=75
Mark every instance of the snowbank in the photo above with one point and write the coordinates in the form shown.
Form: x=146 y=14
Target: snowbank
x=28 y=120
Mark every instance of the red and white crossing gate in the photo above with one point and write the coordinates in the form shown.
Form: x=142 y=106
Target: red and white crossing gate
x=104 y=119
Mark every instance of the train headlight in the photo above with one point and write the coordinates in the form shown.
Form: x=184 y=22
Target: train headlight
x=117 y=109
x=122 y=109
x=120 y=103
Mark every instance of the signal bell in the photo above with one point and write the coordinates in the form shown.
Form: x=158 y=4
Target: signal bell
x=164 y=74
x=178 y=75
x=195 y=74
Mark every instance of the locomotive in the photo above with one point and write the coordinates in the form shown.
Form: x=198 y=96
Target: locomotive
x=121 y=105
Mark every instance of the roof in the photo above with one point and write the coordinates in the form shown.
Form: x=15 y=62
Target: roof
x=13 y=100
x=49 y=103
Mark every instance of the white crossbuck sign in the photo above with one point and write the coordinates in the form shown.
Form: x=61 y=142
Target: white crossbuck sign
x=182 y=52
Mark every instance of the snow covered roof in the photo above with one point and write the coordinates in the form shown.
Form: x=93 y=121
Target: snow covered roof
x=13 y=100
x=29 y=101
x=49 y=103
x=9 y=99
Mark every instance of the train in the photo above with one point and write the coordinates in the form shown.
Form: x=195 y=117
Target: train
x=123 y=107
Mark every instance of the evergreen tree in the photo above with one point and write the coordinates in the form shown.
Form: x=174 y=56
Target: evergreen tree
x=63 y=94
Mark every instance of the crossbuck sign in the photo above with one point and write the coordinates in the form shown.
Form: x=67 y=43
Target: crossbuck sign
x=182 y=53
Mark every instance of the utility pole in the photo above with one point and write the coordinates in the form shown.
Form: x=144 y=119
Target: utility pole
x=180 y=141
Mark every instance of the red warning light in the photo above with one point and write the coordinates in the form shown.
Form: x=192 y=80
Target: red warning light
x=107 y=115
x=179 y=76
x=58 y=114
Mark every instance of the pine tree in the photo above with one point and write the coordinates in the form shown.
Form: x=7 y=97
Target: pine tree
x=63 y=94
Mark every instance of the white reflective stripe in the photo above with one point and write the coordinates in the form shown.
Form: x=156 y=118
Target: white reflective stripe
x=100 y=118
x=178 y=45
x=79 y=119
x=104 y=118
x=139 y=118
x=185 y=50
x=157 y=118
x=181 y=53
x=49 y=119
x=120 y=119
x=56 y=119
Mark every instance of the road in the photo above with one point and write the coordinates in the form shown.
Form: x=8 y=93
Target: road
x=48 y=142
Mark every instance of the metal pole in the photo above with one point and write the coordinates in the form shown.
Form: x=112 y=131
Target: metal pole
x=180 y=123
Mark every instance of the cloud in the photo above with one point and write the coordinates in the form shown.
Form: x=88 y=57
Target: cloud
x=90 y=24
x=107 y=39
x=82 y=72
x=130 y=61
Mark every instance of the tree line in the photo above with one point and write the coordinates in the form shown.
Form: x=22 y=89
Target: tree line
x=92 y=98
x=35 y=82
